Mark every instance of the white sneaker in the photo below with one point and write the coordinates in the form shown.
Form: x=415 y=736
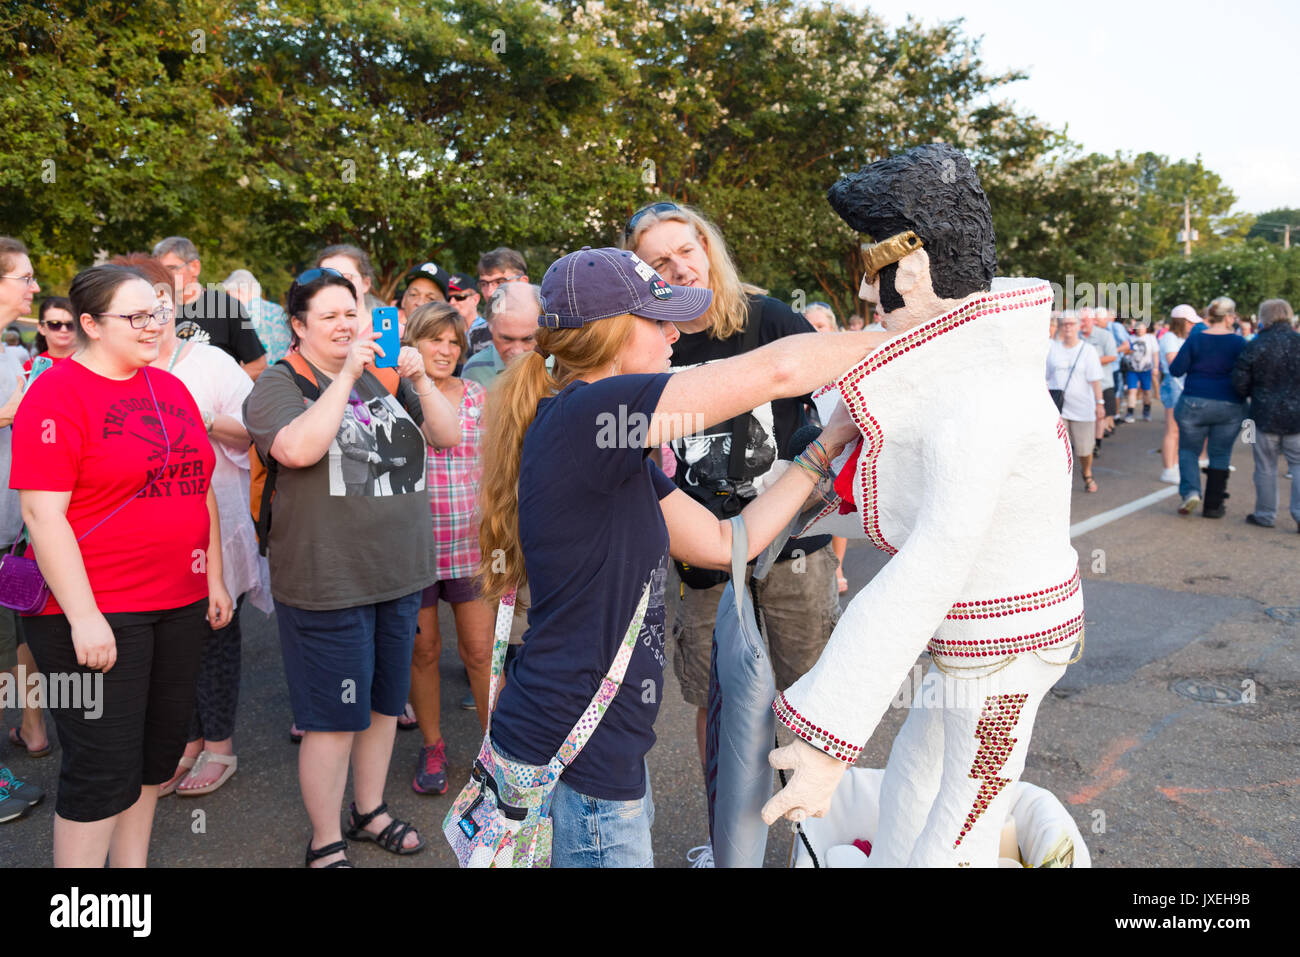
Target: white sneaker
x=1203 y=463
x=1129 y=418
x=1190 y=504
x=701 y=856
x=1170 y=476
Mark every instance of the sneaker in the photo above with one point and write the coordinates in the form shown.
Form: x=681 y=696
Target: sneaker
x=1190 y=504
x=1129 y=419
x=467 y=702
x=1203 y=463
x=431 y=770
x=1252 y=520
x=16 y=797
x=1170 y=476
x=1146 y=416
x=701 y=856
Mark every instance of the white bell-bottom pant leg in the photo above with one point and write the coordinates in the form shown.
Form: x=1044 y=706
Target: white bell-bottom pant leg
x=985 y=740
x=912 y=776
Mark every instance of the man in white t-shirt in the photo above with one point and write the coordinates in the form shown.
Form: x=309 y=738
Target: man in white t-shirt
x=1142 y=369
x=1074 y=367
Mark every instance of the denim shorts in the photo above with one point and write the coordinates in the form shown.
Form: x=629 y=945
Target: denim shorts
x=342 y=664
x=592 y=832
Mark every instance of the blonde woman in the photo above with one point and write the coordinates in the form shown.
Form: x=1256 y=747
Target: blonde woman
x=437 y=331
x=799 y=599
x=572 y=505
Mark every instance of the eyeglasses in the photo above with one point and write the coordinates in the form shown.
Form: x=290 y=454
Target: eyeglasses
x=461 y=296
x=55 y=325
x=311 y=275
x=140 y=320
x=28 y=280
x=664 y=207
x=488 y=285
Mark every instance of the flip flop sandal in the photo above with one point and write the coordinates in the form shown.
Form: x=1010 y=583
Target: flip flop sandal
x=390 y=838
x=16 y=739
x=406 y=721
x=170 y=786
x=229 y=760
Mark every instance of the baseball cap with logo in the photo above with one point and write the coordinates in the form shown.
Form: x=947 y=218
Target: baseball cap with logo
x=593 y=284
x=430 y=271
x=460 y=282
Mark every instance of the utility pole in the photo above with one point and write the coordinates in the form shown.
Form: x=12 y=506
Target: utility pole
x=1286 y=237
x=1187 y=227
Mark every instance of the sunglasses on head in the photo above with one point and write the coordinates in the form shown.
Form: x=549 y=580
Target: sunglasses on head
x=311 y=275
x=56 y=325
x=663 y=207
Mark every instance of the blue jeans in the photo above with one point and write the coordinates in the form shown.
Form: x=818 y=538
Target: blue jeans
x=1268 y=447
x=590 y=832
x=1198 y=419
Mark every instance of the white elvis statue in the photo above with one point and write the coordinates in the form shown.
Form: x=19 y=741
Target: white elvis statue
x=963 y=475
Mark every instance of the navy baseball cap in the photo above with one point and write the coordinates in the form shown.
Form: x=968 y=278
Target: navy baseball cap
x=595 y=284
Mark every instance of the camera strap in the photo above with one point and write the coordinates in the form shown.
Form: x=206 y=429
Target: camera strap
x=740 y=424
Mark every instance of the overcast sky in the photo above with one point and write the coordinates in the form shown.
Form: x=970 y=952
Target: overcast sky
x=1176 y=78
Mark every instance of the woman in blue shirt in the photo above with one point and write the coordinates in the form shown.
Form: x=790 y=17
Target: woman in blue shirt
x=572 y=505
x=1208 y=408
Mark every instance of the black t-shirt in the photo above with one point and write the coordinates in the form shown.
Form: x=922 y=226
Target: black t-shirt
x=593 y=536
x=706 y=456
x=219 y=319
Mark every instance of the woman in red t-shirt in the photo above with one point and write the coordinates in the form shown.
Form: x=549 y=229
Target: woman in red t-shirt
x=115 y=467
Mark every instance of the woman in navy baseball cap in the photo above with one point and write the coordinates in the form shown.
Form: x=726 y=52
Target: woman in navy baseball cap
x=572 y=505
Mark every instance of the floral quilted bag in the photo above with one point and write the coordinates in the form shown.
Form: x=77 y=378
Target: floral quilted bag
x=501 y=818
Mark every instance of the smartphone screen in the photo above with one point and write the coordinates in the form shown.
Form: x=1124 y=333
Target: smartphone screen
x=385 y=322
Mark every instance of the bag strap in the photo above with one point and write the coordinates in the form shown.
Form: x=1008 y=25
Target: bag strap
x=586 y=725
x=740 y=424
x=739 y=553
x=500 y=641
x=1070 y=374
x=167 y=457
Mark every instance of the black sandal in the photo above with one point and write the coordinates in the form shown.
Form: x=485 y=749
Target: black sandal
x=315 y=854
x=391 y=838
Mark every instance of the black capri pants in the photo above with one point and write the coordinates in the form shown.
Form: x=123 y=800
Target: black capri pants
x=144 y=706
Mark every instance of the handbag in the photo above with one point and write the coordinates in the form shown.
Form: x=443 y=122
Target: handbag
x=22 y=586
x=1058 y=395
x=501 y=818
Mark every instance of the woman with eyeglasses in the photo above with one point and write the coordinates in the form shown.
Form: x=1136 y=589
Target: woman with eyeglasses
x=219 y=385
x=351 y=551
x=114 y=468
x=55 y=335
x=18 y=286
x=799 y=599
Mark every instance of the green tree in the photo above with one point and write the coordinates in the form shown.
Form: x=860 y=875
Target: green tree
x=1271 y=226
x=1248 y=272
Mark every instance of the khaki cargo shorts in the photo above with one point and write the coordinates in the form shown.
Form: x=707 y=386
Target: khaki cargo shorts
x=798 y=606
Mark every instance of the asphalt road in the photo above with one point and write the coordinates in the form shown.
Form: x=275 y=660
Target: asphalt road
x=1153 y=777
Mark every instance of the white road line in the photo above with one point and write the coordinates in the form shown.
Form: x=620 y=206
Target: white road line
x=1105 y=518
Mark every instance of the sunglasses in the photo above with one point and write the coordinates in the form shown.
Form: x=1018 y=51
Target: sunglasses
x=55 y=325
x=664 y=207
x=461 y=296
x=311 y=275
x=359 y=410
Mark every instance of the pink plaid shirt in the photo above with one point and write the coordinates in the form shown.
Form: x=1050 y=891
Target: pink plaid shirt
x=454 y=476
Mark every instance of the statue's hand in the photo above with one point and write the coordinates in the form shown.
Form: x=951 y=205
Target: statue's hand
x=810 y=788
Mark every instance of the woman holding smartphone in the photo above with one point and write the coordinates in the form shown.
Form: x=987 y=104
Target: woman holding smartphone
x=114 y=471
x=349 y=555
x=576 y=509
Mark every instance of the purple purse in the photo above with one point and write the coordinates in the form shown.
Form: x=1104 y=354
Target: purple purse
x=22 y=586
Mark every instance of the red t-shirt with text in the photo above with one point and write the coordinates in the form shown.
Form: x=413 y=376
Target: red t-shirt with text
x=103 y=440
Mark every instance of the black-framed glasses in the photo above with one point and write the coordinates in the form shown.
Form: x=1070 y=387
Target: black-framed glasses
x=661 y=207
x=491 y=284
x=311 y=275
x=55 y=324
x=140 y=320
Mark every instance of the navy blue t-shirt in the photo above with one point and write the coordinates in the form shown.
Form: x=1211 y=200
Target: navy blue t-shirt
x=593 y=536
x=1207 y=361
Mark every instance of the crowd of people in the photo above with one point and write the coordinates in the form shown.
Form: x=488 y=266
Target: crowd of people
x=207 y=449
x=1211 y=371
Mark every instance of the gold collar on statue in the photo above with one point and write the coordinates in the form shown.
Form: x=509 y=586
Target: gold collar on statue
x=879 y=255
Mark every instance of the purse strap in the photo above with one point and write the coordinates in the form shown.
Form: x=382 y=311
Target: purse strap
x=167 y=457
x=586 y=725
x=739 y=551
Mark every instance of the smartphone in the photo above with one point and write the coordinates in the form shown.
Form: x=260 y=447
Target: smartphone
x=385 y=322
x=40 y=364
